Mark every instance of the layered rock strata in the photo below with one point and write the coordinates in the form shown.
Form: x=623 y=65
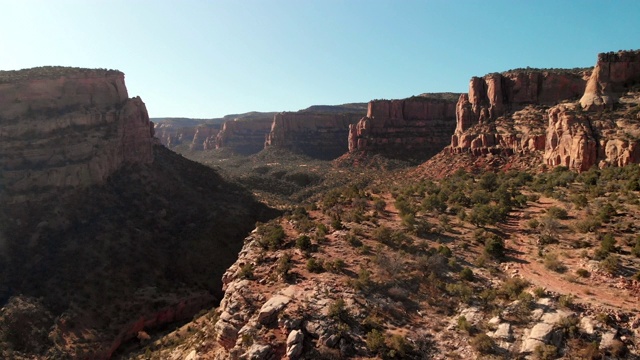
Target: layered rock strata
x=614 y=73
x=318 y=135
x=416 y=127
x=244 y=135
x=67 y=127
x=538 y=113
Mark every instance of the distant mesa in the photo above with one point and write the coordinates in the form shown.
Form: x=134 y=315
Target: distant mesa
x=320 y=131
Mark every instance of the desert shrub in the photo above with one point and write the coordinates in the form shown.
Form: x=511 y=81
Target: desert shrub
x=383 y=234
x=636 y=248
x=608 y=243
x=525 y=305
x=579 y=200
x=335 y=266
x=444 y=251
x=363 y=282
x=584 y=273
x=338 y=310
x=533 y=224
x=462 y=291
x=246 y=271
x=315 y=266
x=466 y=274
x=336 y=224
x=512 y=288
x=557 y=213
x=539 y=292
x=353 y=240
x=545 y=352
x=482 y=343
x=552 y=262
x=284 y=265
x=590 y=224
x=610 y=264
x=398 y=347
x=464 y=324
x=303 y=243
x=569 y=326
x=494 y=247
x=375 y=341
x=606 y=212
x=379 y=205
x=565 y=301
x=271 y=236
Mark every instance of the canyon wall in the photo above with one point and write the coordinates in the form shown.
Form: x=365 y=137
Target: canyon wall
x=172 y=132
x=575 y=118
x=244 y=135
x=419 y=127
x=67 y=127
x=318 y=135
x=614 y=73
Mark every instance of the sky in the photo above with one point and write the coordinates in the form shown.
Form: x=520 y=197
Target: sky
x=209 y=58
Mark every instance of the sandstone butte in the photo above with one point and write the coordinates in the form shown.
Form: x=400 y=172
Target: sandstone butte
x=244 y=135
x=561 y=117
x=68 y=127
x=404 y=128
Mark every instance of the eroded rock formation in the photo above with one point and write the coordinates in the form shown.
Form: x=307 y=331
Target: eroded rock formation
x=66 y=127
x=614 y=73
x=536 y=112
x=244 y=135
x=419 y=126
x=320 y=134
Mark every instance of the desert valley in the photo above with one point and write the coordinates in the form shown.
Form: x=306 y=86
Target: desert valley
x=501 y=223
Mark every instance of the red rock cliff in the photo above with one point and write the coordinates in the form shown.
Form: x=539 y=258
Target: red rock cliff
x=244 y=135
x=415 y=127
x=67 y=127
x=615 y=73
x=319 y=135
x=511 y=114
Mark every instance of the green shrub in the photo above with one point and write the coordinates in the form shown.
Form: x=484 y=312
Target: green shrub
x=398 y=347
x=375 y=341
x=466 y=274
x=557 y=213
x=610 y=264
x=284 y=265
x=584 y=273
x=590 y=224
x=338 y=310
x=494 y=247
x=271 y=236
x=315 y=266
x=464 y=324
x=336 y=266
x=303 y=243
x=513 y=287
x=246 y=271
x=482 y=343
x=552 y=262
x=545 y=352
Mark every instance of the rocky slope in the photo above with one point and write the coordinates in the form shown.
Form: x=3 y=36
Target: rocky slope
x=379 y=286
x=319 y=131
x=414 y=128
x=64 y=127
x=84 y=189
x=536 y=114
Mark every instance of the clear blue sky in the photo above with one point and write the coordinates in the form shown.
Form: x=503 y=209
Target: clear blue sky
x=199 y=58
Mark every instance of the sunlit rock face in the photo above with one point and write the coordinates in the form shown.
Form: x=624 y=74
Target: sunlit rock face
x=67 y=127
x=417 y=127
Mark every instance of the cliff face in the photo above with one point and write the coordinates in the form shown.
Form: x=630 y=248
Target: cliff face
x=205 y=137
x=613 y=74
x=537 y=113
x=174 y=132
x=419 y=126
x=244 y=136
x=319 y=135
x=64 y=128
